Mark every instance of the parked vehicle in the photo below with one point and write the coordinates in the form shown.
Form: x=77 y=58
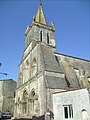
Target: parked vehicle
x=0 y=115
x=6 y=115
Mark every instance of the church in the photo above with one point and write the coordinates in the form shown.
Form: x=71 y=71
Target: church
x=42 y=71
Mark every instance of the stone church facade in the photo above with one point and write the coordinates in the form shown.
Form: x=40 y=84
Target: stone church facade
x=42 y=71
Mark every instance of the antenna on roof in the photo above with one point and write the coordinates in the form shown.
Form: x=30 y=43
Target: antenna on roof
x=0 y=64
x=4 y=73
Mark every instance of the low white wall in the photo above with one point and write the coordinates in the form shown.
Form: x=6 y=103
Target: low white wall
x=79 y=99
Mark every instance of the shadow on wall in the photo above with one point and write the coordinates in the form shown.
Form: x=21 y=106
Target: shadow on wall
x=38 y=118
x=33 y=118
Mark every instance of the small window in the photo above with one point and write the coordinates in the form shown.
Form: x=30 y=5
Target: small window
x=67 y=81
x=68 y=111
x=48 y=38
x=27 y=63
x=25 y=95
x=14 y=95
x=77 y=72
x=85 y=115
x=27 y=42
x=33 y=93
x=82 y=72
x=41 y=36
x=88 y=79
x=18 y=99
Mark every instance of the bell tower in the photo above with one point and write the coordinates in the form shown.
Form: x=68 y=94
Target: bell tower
x=40 y=31
x=31 y=95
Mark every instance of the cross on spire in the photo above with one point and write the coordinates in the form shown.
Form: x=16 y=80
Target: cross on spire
x=40 y=2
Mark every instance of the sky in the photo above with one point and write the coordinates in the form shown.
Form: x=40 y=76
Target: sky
x=72 y=23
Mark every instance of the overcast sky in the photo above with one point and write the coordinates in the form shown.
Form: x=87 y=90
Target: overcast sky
x=71 y=19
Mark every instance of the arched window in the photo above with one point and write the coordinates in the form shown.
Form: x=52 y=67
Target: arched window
x=27 y=42
x=24 y=105
x=32 y=93
x=25 y=95
x=18 y=99
x=41 y=36
x=85 y=115
x=34 y=67
x=88 y=79
x=48 y=38
x=18 y=105
x=14 y=95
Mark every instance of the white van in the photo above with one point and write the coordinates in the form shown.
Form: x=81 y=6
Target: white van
x=6 y=115
x=0 y=115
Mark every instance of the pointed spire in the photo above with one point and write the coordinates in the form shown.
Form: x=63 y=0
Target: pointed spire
x=39 y=17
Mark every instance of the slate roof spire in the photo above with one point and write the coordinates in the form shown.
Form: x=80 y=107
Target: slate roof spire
x=39 y=17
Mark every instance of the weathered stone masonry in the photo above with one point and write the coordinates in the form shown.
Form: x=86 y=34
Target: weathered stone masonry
x=42 y=71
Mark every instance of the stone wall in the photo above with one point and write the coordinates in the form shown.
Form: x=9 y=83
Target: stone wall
x=1 y=87
x=7 y=94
